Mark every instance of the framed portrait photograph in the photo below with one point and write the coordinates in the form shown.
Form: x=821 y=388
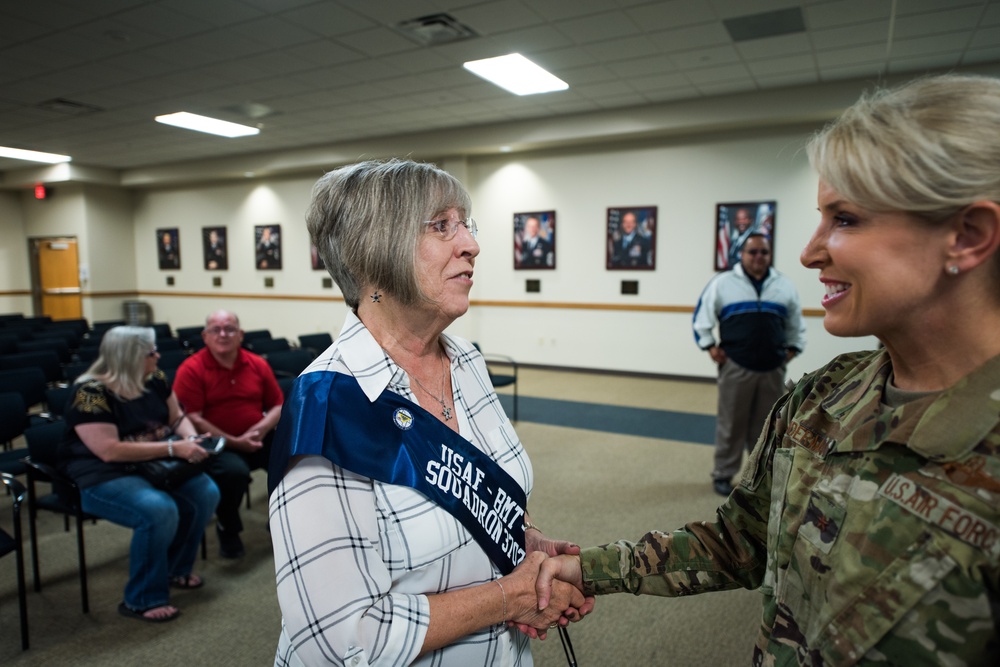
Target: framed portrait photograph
x=737 y=221
x=315 y=259
x=168 y=248
x=535 y=240
x=631 y=238
x=213 y=243
x=267 y=239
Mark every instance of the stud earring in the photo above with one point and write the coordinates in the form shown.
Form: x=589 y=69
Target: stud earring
x=376 y=297
x=953 y=270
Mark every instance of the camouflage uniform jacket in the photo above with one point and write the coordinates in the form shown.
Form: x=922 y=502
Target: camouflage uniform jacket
x=872 y=532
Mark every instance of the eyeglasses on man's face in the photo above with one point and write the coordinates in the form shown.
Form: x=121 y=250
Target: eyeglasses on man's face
x=446 y=229
x=218 y=331
x=758 y=251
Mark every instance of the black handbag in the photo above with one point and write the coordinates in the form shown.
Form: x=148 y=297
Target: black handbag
x=170 y=474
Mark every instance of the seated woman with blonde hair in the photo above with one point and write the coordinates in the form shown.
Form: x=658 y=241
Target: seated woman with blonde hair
x=122 y=411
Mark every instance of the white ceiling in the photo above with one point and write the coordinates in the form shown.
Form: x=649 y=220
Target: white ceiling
x=336 y=71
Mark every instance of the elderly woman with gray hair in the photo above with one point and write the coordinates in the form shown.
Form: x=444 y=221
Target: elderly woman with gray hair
x=122 y=411
x=398 y=486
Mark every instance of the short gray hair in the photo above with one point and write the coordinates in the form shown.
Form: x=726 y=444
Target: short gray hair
x=929 y=148
x=121 y=363
x=364 y=221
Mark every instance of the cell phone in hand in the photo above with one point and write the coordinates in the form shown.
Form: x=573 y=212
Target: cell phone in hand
x=212 y=444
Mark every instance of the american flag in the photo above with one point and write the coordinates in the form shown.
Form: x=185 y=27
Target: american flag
x=722 y=243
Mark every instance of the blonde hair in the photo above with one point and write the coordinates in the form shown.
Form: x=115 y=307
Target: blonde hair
x=121 y=364
x=364 y=220
x=929 y=148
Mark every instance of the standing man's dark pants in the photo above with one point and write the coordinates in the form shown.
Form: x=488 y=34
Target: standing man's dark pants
x=745 y=399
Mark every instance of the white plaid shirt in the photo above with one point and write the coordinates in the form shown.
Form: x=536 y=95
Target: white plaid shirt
x=355 y=558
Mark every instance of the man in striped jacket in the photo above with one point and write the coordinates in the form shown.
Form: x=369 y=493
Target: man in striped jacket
x=759 y=320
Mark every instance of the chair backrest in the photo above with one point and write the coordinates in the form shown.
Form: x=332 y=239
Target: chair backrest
x=72 y=371
x=8 y=343
x=29 y=382
x=285 y=383
x=316 y=343
x=255 y=334
x=187 y=333
x=43 y=448
x=13 y=415
x=289 y=363
x=269 y=345
x=162 y=330
x=168 y=344
x=57 y=398
x=170 y=360
x=57 y=345
x=43 y=441
x=47 y=360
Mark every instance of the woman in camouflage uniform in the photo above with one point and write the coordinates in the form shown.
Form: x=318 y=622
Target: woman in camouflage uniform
x=869 y=513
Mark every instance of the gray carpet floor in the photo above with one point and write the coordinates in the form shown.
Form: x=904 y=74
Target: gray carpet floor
x=630 y=460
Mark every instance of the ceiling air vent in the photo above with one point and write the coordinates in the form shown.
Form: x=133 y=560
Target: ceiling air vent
x=435 y=29
x=767 y=24
x=68 y=107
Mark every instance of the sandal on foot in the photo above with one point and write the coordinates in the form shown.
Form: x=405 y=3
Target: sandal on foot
x=187 y=581
x=128 y=612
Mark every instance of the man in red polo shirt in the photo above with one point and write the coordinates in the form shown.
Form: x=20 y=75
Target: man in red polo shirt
x=230 y=392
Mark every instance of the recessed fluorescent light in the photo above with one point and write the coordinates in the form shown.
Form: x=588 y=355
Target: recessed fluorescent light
x=191 y=121
x=33 y=156
x=517 y=74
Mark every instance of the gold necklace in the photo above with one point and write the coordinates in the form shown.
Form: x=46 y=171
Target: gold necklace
x=445 y=410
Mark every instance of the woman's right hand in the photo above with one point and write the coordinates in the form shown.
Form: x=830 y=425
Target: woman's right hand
x=564 y=600
x=190 y=450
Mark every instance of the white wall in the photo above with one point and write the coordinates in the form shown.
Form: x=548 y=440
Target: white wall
x=14 y=272
x=685 y=179
x=579 y=319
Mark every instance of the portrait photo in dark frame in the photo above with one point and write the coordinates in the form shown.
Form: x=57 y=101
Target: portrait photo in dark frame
x=267 y=240
x=631 y=238
x=734 y=222
x=216 y=250
x=535 y=240
x=168 y=248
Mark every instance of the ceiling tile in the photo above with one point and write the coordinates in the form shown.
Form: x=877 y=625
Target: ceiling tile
x=933 y=23
x=599 y=27
x=823 y=15
x=671 y=15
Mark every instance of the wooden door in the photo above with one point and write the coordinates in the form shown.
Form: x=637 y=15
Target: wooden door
x=58 y=278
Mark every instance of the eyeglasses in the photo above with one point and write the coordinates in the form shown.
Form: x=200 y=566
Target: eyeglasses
x=758 y=251
x=153 y=352
x=446 y=229
x=218 y=331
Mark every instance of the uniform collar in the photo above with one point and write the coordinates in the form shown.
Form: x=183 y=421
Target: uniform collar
x=942 y=426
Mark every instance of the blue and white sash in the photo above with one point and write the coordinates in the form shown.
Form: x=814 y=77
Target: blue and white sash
x=395 y=441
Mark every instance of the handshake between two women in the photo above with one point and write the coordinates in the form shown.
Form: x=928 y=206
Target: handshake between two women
x=539 y=600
